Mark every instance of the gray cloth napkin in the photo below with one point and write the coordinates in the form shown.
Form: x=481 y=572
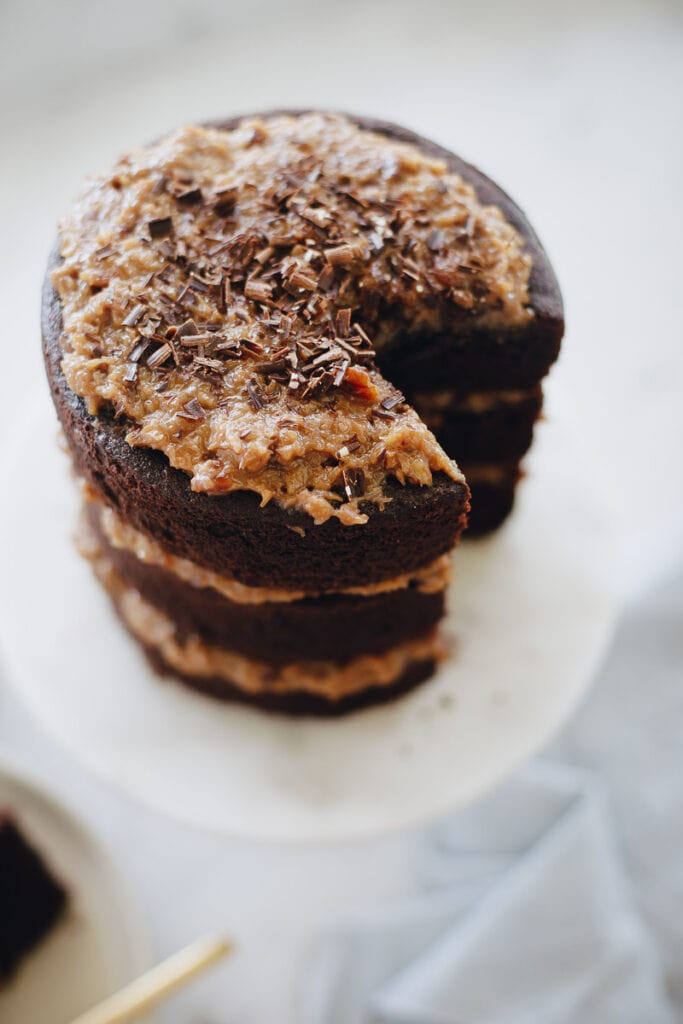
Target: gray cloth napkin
x=558 y=898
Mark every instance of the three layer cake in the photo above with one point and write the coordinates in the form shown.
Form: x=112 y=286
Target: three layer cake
x=267 y=341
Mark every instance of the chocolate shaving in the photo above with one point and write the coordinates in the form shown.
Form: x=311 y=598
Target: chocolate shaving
x=318 y=216
x=196 y=340
x=263 y=255
x=318 y=385
x=285 y=326
x=192 y=410
x=340 y=372
x=252 y=346
x=359 y=330
x=255 y=395
x=160 y=227
x=342 y=322
x=392 y=401
x=160 y=356
x=187 y=328
x=354 y=483
x=350 y=446
x=273 y=368
x=209 y=364
x=224 y=201
x=342 y=255
x=138 y=350
x=197 y=284
x=149 y=328
x=326 y=277
x=136 y=314
x=224 y=294
x=410 y=269
x=233 y=347
x=192 y=197
x=326 y=357
x=257 y=290
x=299 y=279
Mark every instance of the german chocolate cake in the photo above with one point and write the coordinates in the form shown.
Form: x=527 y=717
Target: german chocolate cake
x=268 y=341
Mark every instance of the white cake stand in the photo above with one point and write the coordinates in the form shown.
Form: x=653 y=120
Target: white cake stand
x=532 y=609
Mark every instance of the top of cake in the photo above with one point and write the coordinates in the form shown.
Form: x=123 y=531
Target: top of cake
x=226 y=292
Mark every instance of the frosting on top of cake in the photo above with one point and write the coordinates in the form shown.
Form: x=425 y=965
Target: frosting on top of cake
x=226 y=292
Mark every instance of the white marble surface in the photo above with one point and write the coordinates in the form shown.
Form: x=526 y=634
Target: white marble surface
x=576 y=109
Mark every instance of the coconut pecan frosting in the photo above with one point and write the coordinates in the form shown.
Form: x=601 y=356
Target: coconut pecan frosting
x=227 y=293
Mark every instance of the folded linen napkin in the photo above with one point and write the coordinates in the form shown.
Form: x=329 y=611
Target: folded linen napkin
x=523 y=916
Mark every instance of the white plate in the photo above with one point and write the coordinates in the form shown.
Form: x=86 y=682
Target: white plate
x=98 y=946
x=532 y=608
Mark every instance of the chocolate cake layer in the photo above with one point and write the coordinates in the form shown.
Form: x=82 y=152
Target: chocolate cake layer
x=334 y=628
x=231 y=533
x=299 y=703
x=476 y=360
x=493 y=495
x=502 y=432
x=491 y=505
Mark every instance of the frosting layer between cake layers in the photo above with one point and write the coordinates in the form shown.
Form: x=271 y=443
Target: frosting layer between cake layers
x=332 y=646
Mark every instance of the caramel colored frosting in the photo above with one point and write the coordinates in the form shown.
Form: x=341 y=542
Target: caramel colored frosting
x=226 y=293
x=326 y=679
x=121 y=535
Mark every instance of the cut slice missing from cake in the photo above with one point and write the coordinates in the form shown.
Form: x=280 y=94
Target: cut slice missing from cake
x=265 y=341
x=31 y=900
